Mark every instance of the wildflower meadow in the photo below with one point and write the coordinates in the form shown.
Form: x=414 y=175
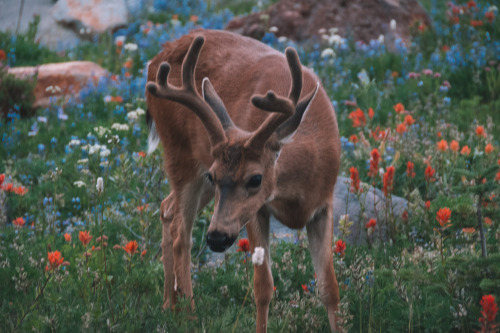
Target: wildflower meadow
x=80 y=231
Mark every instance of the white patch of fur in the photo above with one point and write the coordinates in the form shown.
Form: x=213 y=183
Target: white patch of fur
x=153 y=139
x=203 y=87
x=175 y=283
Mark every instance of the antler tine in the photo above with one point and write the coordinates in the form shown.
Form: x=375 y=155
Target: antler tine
x=296 y=70
x=187 y=94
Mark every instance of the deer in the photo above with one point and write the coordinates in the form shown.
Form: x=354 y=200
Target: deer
x=260 y=139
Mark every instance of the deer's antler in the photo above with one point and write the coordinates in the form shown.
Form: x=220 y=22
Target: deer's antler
x=186 y=94
x=287 y=112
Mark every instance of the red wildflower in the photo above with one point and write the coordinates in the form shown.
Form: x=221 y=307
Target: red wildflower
x=480 y=131
x=401 y=128
x=304 y=288
x=489 y=148
x=465 y=150
x=3 y=55
x=375 y=158
x=409 y=120
x=404 y=216
x=371 y=113
x=442 y=145
x=399 y=107
x=371 y=224
x=21 y=190
x=489 y=16
x=243 y=245
x=142 y=208
x=8 y=188
x=131 y=247
x=454 y=146
x=67 y=237
x=354 y=180
x=443 y=217
x=488 y=313
x=55 y=259
x=487 y=221
x=353 y=138
x=84 y=237
x=471 y=4
x=427 y=205
x=358 y=118
x=143 y=253
x=497 y=177
x=429 y=173
x=2 y=178
x=409 y=170
x=476 y=23
x=468 y=230
x=388 y=178
x=141 y=154
x=340 y=247
x=18 y=222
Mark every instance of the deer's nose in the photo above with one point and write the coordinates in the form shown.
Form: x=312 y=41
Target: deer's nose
x=218 y=241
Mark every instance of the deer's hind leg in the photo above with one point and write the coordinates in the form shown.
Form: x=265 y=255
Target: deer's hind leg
x=319 y=234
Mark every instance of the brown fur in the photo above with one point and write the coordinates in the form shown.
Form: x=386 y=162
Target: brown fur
x=297 y=187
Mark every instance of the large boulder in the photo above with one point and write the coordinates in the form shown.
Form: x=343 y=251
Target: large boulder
x=361 y=19
x=60 y=79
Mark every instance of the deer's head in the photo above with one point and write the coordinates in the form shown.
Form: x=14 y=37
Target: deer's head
x=243 y=169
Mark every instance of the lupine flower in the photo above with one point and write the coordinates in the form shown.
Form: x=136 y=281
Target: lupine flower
x=67 y=237
x=443 y=217
x=340 y=247
x=409 y=170
x=429 y=173
x=355 y=188
x=84 y=237
x=131 y=247
x=465 y=150
x=399 y=107
x=243 y=245
x=388 y=179
x=375 y=157
x=55 y=260
x=480 y=131
x=488 y=313
x=442 y=145
x=258 y=256
x=454 y=146
x=489 y=148
x=18 y=222
x=372 y=223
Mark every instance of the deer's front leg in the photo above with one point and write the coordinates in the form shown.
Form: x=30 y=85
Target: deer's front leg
x=258 y=236
x=319 y=234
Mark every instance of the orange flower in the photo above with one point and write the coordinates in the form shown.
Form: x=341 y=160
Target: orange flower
x=128 y=63
x=497 y=177
x=442 y=145
x=429 y=173
x=340 y=247
x=371 y=224
x=476 y=23
x=141 y=154
x=354 y=180
x=67 y=237
x=358 y=118
x=55 y=259
x=8 y=188
x=468 y=230
x=3 y=55
x=409 y=170
x=18 y=222
x=399 y=107
x=401 y=128
x=454 y=146
x=142 y=208
x=353 y=138
x=131 y=247
x=388 y=178
x=371 y=113
x=427 y=205
x=84 y=237
x=143 y=253
x=443 y=217
x=488 y=313
x=487 y=221
x=409 y=120
x=465 y=150
x=21 y=190
x=2 y=178
x=488 y=15
x=243 y=245
x=375 y=157
x=480 y=131
x=488 y=149
x=304 y=288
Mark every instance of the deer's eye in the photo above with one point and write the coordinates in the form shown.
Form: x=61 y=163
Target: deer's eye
x=210 y=178
x=255 y=181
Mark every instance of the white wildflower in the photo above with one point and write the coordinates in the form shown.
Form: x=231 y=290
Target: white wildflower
x=363 y=77
x=74 y=142
x=381 y=39
x=99 y=185
x=336 y=40
x=120 y=127
x=107 y=99
x=140 y=111
x=42 y=119
x=328 y=52
x=83 y=161
x=282 y=39
x=273 y=29
x=381 y=172
x=258 y=256
x=100 y=131
x=132 y=116
x=105 y=152
x=322 y=31
x=493 y=8
x=131 y=47
x=94 y=149
x=392 y=25
x=79 y=184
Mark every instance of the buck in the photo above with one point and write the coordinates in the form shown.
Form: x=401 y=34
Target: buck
x=262 y=138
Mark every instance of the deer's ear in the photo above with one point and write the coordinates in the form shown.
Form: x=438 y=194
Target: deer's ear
x=286 y=131
x=210 y=96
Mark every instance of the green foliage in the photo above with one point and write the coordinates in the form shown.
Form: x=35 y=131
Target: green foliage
x=16 y=95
